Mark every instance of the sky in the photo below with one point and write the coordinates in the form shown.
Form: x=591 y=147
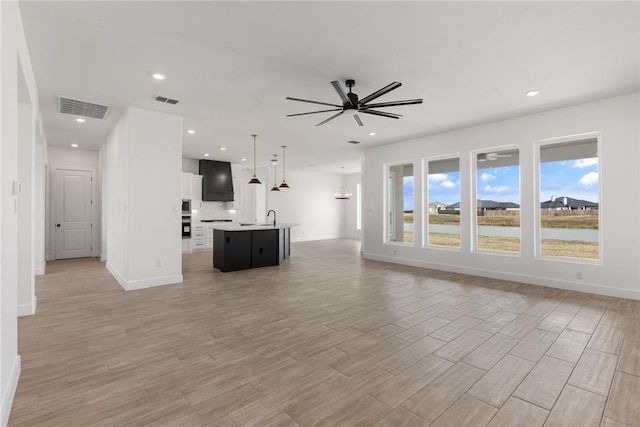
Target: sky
x=572 y=178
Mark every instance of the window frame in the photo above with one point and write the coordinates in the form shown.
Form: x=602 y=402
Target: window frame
x=474 y=199
x=386 y=168
x=426 y=200
x=536 y=195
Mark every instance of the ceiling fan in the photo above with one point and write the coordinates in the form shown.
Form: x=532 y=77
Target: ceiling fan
x=352 y=105
x=483 y=157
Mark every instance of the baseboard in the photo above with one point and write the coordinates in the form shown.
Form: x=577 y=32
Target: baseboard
x=514 y=277
x=134 y=285
x=314 y=238
x=10 y=392
x=27 y=309
x=103 y=258
x=116 y=275
x=39 y=271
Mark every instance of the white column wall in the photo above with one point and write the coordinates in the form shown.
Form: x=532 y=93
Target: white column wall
x=618 y=120
x=142 y=198
x=15 y=72
x=9 y=359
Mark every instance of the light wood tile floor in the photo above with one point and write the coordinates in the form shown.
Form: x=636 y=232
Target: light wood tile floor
x=326 y=339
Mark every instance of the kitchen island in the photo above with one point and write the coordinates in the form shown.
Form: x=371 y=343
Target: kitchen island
x=243 y=246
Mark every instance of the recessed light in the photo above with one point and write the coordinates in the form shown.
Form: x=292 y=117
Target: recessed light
x=158 y=76
x=206 y=154
x=372 y=133
x=191 y=131
x=79 y=120
x=223 y=148
x=74 y=145
x=243 y=159
x=532 y=92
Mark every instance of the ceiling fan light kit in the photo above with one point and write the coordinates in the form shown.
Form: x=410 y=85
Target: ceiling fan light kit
x=352 y=105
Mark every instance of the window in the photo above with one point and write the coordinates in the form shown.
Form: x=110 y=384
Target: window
x=443 y=202
x=569 y=220
x=498 y=200
x=358 y=207
x=399 y=203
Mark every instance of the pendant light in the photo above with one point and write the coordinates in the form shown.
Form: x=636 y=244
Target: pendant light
x=284 y=182
x=255 y=179
x=274 y=162
x=342 y=195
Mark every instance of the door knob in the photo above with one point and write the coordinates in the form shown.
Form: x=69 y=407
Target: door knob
x=57 y=225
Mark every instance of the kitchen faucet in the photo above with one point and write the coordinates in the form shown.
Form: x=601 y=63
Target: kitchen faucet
x=274 y=216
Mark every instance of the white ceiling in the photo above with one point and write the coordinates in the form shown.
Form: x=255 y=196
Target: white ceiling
x=231 y=65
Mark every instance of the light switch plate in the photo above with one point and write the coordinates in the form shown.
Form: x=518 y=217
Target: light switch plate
x=15 y=188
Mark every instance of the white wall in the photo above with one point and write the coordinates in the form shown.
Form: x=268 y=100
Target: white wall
x=26 y=163
x=309 y=202
x=78 y=159
x=39 y=205
x=17 y=84
x=142 y=189
x=618 y=120
x=350 y=207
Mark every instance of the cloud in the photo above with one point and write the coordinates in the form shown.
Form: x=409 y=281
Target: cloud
x=585 y=163
x=448 y=184
x=589 y=179
x=496 y=189
x=487 y=176
x=436 y=177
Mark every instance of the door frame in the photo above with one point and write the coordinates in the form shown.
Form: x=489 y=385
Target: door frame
x=52 y=207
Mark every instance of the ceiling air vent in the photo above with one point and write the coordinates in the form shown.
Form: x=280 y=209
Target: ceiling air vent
x=353 y=142
x=166 y=100
x=82 y=108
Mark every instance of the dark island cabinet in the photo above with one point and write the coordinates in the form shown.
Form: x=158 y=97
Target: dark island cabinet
x=264 y=251
x=239 y=250
x=231 y=250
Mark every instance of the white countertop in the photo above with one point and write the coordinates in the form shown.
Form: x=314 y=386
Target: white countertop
x=234 y=226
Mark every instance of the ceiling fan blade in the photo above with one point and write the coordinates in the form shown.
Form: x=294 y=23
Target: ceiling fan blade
x=394 y=103
x=330 y=118
x=343 y=96
x=381 y=113
x=313 y=112
x=357 y=119
x=313 y=102
x=380 y=92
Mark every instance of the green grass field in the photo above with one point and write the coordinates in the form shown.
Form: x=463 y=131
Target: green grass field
x=548 y=221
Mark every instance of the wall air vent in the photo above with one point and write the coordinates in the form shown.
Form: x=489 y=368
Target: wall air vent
x=353 y=142
x=82 y=108
x=166 y=100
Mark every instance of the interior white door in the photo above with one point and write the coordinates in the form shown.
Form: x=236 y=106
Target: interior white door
x=72 y=213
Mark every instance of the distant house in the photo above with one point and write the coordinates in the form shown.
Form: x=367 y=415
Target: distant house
x=487 y=205
x=567 y=203
x=436 y=207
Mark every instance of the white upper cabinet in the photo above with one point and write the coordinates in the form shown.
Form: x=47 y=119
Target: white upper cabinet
x=187 y=186
x=196 y=192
